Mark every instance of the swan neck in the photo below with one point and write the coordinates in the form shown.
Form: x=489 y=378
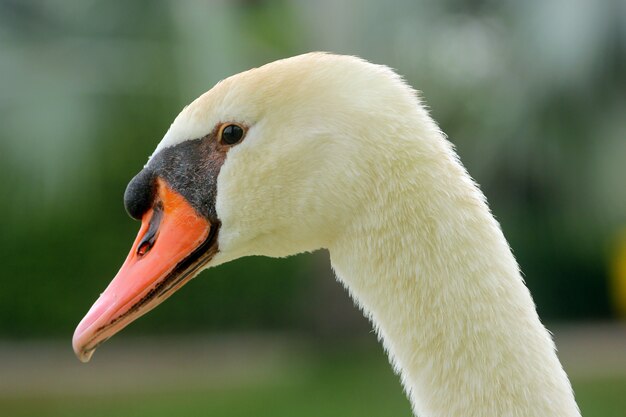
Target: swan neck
x=428 y=264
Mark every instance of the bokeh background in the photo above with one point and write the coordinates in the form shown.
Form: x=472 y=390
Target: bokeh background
x=533 y=95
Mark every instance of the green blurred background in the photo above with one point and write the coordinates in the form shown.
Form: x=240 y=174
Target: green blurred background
x=533 y=95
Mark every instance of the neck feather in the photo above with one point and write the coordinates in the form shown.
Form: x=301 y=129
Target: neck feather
x=429 y=265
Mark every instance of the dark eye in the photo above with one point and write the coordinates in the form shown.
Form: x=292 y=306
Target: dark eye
x=231 y=134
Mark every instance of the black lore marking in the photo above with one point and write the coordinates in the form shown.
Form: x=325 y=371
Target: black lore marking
x=190 y=168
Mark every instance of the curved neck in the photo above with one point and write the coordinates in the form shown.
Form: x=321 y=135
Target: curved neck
x=428 y=264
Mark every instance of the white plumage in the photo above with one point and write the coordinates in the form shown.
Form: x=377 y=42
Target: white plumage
x=341 y=154
x=327 y=151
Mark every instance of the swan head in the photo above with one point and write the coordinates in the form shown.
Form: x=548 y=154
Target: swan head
x=273 y=161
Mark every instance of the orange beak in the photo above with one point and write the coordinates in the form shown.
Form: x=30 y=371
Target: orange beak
x=173 y=244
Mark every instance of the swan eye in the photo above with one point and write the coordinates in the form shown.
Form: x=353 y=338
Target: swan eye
x=231 y=134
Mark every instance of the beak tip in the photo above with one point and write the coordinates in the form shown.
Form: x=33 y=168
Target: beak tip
x=85 y=357
x=81 y=353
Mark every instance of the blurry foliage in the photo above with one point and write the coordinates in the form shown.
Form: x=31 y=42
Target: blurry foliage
x=532 y=94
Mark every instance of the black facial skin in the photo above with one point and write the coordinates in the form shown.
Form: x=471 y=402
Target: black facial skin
x=139 y=194
x=190 y=168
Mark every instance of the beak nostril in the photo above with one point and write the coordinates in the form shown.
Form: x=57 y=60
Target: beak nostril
x=144 y=248
x=151 y=234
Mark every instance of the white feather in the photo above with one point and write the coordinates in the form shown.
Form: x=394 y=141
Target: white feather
x=341 y=154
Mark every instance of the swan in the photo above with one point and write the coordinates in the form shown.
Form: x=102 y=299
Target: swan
x=329 y=151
